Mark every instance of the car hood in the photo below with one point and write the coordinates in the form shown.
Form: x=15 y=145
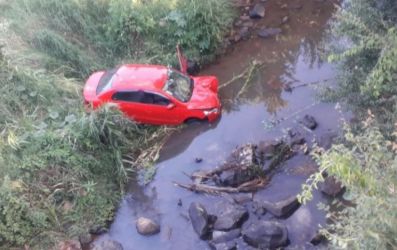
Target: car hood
x=204 y=96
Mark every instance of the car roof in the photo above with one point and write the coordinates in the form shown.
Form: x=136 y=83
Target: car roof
x=131 y=76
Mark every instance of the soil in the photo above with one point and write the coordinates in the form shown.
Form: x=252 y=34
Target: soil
x=279 y=96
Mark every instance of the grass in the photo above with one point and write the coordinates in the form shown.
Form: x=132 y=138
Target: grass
x=62 y=170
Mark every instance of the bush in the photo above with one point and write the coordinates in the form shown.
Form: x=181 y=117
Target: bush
x=123 y=30
x=367 y=165
x=367 y=57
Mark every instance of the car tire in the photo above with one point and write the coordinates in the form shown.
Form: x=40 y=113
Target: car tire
x=191 y=121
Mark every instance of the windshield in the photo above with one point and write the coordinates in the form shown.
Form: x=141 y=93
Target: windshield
x=179 y=86
x=106 y=81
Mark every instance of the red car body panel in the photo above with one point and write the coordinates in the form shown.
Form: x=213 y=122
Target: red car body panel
x=204 y=103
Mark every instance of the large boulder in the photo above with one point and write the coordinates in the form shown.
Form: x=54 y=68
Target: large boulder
x=332 y=187
x=222 y=236
x=283 y=208
x=258 y=11
x=146 y=226
x=108 y=245
x=266 y=234
x=200 y=220
x=230 y=217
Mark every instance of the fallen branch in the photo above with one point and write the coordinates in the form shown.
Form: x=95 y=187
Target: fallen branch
x=255 y=64
x=249 y=186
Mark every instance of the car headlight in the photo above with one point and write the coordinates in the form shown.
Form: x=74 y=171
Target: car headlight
x=211 y=111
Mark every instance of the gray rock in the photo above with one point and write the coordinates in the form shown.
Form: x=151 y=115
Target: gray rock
x=200 y=220
x=332 y=187
x=248 y=24
x=222 y=236
x=284 y=20
x=258 y=11
x=309 y=122
x=266 y=234
x=283 y=208
x=230 y=245
x=318 y=239
x=244 y=33
x=230 y=217
x=108 y=245
x=146 y=226
x=269 y=32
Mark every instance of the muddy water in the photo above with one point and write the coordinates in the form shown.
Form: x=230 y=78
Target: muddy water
x=264 y=111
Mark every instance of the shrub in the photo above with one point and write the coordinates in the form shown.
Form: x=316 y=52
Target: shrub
x=367 y=165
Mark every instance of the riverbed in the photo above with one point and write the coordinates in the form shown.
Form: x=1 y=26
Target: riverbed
x=279 y=94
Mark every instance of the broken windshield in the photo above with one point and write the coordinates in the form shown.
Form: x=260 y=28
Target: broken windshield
x=179 y=86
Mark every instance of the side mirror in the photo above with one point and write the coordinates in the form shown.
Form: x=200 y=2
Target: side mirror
x=171 y=105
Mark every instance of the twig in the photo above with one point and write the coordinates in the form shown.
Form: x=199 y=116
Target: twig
x=247 y=70
x=249 y=186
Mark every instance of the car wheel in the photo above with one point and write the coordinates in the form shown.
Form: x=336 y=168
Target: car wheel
x=191 y=121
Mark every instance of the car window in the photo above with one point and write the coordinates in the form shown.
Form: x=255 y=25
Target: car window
x=160 y=100
x=179 y=85
x=141 y=97
x=106 y=81
x=129 y=96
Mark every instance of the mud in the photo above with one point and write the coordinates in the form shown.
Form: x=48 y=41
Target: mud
x=265 y=111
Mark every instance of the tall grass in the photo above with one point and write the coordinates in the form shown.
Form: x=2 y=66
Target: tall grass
x=62 y=170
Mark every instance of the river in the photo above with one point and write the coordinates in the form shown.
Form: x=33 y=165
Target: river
x=263 y=112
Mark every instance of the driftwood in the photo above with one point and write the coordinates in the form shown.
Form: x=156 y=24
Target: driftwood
x=249 y=186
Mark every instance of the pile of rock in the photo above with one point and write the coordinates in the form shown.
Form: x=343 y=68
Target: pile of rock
x=229 y=226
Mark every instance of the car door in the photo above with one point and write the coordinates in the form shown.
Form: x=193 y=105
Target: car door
x=160 y=109
x=130 y=103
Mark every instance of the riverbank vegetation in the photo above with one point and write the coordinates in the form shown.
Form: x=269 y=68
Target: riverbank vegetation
x=366 y=161
x=62 y=170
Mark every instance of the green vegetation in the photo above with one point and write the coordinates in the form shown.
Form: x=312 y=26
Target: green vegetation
x=366 y=162
x=62 y=170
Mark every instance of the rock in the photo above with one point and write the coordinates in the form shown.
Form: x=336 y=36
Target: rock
x=221 y=236
x=230 y=217
x=283 y=208
x=244 y=18
x=248 y=24
x=241 y=198
x=230 y=245
x=97 y=230
x=198 y=160
x=309 y=122
x=295 y=138
x=269 y=32
x=146 y=226
x=108 y=245
x=267 y=149
x=200 y=221
x=284 y=20
x=266 y=234
x=331 y=186
x=244 y=33
x=69 y=245
x=318 y=239
x=258 y=11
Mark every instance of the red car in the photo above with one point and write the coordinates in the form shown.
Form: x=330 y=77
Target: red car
x=155 y=94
